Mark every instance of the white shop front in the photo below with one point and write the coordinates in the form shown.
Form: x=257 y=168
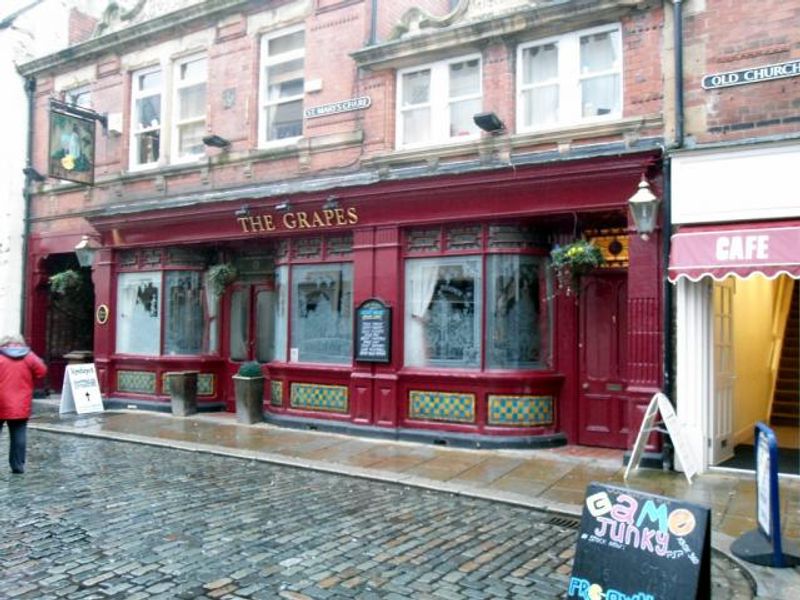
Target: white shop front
x=735 y=261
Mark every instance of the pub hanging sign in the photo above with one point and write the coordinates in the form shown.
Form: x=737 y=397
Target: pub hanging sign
x=71 y=148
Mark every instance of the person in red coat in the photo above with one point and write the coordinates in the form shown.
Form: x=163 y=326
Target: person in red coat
x=19 y=368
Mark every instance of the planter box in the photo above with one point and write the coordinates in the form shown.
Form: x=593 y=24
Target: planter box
x=183 y=392
x=249 y=399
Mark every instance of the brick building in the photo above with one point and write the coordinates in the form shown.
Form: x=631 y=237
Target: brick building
x=304 y=183
x=736 y=229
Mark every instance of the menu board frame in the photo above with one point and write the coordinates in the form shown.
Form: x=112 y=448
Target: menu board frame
x=373 y=314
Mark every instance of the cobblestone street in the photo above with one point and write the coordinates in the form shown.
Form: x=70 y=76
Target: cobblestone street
x=102 y=519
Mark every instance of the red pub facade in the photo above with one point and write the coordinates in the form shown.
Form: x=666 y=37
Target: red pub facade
x=267 y=172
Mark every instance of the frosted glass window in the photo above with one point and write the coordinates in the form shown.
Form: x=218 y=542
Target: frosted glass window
x=517 y=315
x=239 y=323
x=265 y=312
x=322 y=313
x=138 y=313
x=183 y=313
x=443 y=312
x=281 y=312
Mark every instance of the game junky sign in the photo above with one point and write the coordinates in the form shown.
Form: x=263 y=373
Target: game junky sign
x=637 y=546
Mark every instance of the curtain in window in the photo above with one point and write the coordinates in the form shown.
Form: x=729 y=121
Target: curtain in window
x=443 y=308
x=421 y=278
x=280 y=316
x=212 y=311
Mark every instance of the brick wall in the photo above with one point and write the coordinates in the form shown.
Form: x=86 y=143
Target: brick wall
x=726 y=36
x=333 y=31
x=81 y=26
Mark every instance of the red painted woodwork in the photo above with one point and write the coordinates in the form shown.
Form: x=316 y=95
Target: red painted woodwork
x=551 y=197
x=603 y=360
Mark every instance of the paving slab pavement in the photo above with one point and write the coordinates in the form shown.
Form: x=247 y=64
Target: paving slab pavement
x=550 y=479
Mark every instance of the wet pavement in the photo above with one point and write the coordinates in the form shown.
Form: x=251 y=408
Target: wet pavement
x=465 y=480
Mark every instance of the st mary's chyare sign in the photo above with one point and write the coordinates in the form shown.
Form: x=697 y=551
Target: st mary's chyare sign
x=71 y=148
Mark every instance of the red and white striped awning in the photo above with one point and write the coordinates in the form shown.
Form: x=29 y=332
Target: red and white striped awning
x=769 y=248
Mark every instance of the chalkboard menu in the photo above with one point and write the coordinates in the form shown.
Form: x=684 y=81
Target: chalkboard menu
x=373 y=332
x=637 y=545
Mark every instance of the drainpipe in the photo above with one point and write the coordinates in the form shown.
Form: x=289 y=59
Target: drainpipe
x=30 y=89
x=373 y=23
x=666 y=216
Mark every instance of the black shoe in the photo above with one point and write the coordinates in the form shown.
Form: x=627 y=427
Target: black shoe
x=18 y=471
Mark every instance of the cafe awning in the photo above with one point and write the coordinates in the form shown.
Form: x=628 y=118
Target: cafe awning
x=769 y=248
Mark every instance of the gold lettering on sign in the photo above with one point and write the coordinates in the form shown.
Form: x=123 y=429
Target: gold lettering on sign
x=318 y=219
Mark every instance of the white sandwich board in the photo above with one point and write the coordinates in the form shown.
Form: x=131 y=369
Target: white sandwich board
x=80 y=392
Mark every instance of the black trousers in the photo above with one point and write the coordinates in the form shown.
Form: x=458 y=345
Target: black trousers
x=18 y=429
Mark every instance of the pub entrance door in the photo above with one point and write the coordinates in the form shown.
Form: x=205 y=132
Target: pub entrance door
x=603 y=416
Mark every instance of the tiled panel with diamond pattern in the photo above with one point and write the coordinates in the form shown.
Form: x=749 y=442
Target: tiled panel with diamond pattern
x=441 y=406
x=276 y=398
x=136 y=382
x=524 y=411
x=313 y=396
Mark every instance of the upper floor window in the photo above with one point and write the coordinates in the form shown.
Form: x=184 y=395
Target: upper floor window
x=146 y=121
x=81 y=97
x=436 y=102
x=571 y=79
x=189 y=107
x=282 y=86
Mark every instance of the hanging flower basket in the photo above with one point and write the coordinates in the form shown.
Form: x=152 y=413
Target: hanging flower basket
x=573 y=260
x=65 y=282
x=220 y=277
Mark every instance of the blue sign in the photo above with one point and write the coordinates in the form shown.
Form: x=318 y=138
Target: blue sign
x=763 y=546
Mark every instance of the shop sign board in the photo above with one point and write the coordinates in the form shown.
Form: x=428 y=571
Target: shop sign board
x=661 y=404
x=637 y=545
x=752 y=75
x=81 y=391
x=334 y=108
x=373 y=332
x=764 y=545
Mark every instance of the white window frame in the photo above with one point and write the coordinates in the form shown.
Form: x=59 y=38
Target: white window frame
x=569 y=79
x=177 y=86
x=265 y=61
x=136 y=94
x=439 y=102
x=71 y=94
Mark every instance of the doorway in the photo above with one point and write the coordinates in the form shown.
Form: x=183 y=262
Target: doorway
x=69 y=325
x=255 y=322
x=603 y=415
x=756 y=333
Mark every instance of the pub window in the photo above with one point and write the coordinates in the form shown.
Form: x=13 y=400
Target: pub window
x=322 y=313
x=443 y=299
x=487 y=309
x=142 y=307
